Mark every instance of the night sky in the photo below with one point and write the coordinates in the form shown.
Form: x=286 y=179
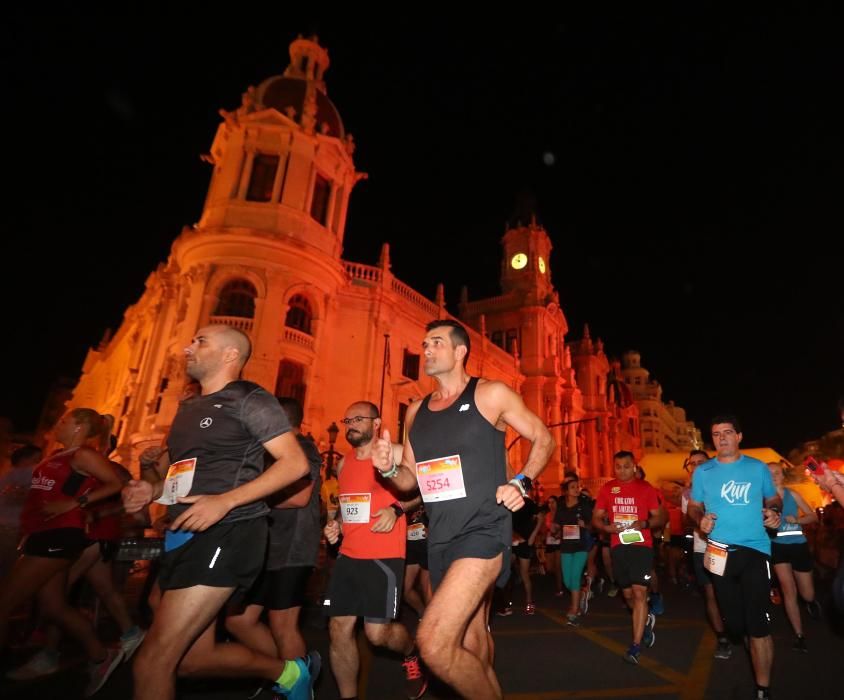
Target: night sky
x=687 y=167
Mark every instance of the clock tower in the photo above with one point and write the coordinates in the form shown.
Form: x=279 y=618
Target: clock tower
x=525 y=268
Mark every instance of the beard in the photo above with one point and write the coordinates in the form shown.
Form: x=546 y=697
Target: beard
x=356 y=438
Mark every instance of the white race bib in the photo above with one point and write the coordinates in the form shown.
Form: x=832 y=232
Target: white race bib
x=354 y=507
x=440 y=479
x=178 y=482
x=571 y=532
x=715 y=558
x=416 y=532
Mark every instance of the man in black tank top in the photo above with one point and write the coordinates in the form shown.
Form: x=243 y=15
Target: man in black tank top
x=455 y=454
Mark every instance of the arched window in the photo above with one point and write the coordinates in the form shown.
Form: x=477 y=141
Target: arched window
x=299 y=314
x=291 y=380
x=237 y=298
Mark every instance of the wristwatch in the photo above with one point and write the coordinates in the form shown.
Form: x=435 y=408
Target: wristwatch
x=398 y=509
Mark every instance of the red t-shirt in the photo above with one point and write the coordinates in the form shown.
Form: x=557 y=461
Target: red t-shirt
x=362 y=493
x=675 y=519
x=626 y=501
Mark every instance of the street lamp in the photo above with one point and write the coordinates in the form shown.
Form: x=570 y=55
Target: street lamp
x=330 y=456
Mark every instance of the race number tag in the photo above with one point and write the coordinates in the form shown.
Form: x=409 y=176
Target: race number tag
x=416 y=532
x=571 y=532
x=440 y=479
x=354 y=507
x=715 y=558
x=623 y=519
x=630 y=537
x=178 y=481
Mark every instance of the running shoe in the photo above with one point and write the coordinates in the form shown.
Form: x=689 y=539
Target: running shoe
x=415 y=678
x=99 y=672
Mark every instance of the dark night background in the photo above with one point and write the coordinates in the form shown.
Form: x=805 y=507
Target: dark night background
x=693 y=201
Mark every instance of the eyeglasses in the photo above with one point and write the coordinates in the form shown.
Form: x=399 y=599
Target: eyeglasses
x=356 y=419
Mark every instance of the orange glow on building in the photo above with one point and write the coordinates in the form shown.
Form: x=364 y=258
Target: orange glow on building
x=266 y=257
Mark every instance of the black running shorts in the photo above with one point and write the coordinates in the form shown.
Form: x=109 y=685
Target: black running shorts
x=417 y=553
x=795 y=554
x=367 y=588
x=281 y=589
x=743 y=592
x=475 y=545
x=230 y=555
x=61 y=543
x=632 y=564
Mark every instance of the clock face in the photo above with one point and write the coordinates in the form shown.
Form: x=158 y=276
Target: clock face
x=518 y=261
x=542 y=265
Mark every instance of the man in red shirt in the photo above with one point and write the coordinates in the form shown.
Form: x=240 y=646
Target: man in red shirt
x=628 y=509
x=368 y=577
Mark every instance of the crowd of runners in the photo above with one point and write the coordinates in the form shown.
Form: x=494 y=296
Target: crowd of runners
x=436 y=521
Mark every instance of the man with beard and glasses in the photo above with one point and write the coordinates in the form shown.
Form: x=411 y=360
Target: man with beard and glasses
x=368 y=576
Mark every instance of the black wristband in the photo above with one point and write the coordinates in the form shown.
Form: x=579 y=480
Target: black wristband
x=527 y=482
x=397 y=508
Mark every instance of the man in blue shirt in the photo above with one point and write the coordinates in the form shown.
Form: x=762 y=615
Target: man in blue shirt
x=733 y=500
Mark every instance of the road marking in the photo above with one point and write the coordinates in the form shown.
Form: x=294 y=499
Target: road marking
x=598 y=693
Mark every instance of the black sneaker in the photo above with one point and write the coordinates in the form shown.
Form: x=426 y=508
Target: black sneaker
x=724 y=650
x=800 y=644
x=813 y=607
x=415 y=678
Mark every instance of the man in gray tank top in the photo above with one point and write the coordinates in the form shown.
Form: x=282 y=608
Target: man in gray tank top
x=455 y=454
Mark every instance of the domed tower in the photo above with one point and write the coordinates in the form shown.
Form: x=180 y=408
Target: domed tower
x=265 y=255
x=283 y=161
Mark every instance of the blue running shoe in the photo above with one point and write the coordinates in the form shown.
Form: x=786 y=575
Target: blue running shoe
x=309 y=668
x=657 y=607
x=648 y=637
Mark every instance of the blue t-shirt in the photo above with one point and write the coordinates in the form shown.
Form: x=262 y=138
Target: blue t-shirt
x=789 y=533
x=736 y=493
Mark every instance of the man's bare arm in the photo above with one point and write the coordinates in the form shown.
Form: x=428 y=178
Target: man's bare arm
x=499 y=400
x=404 y=479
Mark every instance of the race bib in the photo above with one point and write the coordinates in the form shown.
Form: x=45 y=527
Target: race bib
x=178 y=481
x=631 y=537
x=354 y=507
x=416 y=532
x=440 y=479
x=571 y=532
x=715 y=558
x=624 y=519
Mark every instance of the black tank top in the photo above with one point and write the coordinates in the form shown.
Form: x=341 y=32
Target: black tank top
x=461 y=430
